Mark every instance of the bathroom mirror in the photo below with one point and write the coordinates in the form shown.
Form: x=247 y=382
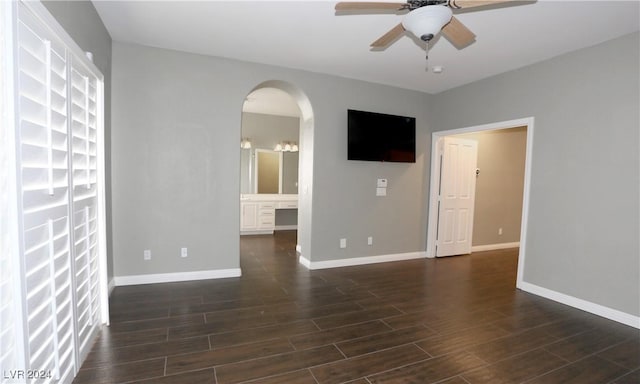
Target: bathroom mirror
x=269 y=172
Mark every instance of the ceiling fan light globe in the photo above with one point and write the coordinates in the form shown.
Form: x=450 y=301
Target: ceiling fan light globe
x=427 y=20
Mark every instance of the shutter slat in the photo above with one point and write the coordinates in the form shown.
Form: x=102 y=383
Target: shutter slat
x=31 y=134
x=32 y=110
x=38 y=203
x=29 y=38
x=32 y=87
x=30 y=64
x=31 y=148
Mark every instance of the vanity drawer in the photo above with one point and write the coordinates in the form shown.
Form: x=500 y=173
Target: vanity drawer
x=266 y=222
x=268 y=205
x=288 y=205
x=267 y=212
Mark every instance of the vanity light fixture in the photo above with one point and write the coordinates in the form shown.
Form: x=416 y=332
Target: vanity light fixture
x=245 y=143
x=286 y=146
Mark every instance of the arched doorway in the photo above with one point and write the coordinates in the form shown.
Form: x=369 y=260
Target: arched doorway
x=275 y=148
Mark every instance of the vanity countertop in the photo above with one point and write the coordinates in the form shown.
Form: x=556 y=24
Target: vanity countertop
x=268 y=197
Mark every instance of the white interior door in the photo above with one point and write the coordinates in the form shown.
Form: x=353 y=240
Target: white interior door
x=458 y=162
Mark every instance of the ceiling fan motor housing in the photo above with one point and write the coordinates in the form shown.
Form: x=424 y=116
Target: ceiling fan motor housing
x=415 y=4
x=426 y=22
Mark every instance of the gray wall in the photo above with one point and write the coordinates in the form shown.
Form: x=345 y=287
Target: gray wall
x=82 y=23
x=583 y=224
x=499 y=187
x=176 y=164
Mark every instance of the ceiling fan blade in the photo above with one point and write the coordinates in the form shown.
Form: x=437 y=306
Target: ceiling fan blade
x=463 y=4
x=458 y=34
x=360 y=6
x=389 y=37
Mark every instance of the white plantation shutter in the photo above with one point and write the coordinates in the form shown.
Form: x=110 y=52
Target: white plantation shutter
x=85 y=203
x=57 y=136
x=44 y=175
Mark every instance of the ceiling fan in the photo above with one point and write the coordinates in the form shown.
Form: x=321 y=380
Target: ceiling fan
x=425 y=19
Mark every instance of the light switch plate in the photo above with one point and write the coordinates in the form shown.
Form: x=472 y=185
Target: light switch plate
x=381 y=191
x=382 y=183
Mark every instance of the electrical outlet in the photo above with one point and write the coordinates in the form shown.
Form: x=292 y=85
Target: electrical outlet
x=147 y=254
x=343 y=243
x=370 y=240
x=500 y=231
x=183 y=252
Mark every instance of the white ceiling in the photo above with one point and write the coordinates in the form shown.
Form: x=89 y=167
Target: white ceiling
x=310 y=36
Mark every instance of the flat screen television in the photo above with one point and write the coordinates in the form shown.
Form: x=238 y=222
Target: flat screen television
x=380 y=137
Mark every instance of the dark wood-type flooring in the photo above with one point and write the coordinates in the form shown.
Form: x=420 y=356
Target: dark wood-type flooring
x=455 y=320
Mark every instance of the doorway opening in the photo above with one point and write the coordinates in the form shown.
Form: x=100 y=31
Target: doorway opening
x=517 y=127
x=276 y=151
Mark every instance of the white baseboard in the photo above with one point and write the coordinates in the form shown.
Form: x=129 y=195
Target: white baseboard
x=493 y=247
x=596 y=309
x=360 y=260
x=286 y=227
x=250 y=233
x=175 y=277
x=112 y=284
x=298 y=248
x=304 y=261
